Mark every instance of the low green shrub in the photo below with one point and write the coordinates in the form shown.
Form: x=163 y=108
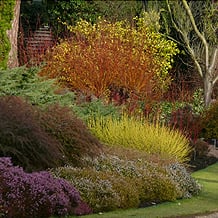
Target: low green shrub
x=141 y=135
x=103 y=191
x=171 y=174
x=24 y=82
x=158 y=188
x=109 y=182
x=187 y=185
x=94 y=108
x=152 y=180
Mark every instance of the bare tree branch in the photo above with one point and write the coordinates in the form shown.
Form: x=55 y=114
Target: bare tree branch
x=214 y=60
x=215 y=80
x=202 y=38
x=200 y=42
x=186 y=41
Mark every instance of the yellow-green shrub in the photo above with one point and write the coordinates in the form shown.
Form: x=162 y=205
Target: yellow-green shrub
x=141 y=135
x=158 y=188
x=103 y=191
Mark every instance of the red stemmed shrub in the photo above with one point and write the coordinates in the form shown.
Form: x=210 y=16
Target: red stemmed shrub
x=105 y=59
x=186 y=121
x=96 y=66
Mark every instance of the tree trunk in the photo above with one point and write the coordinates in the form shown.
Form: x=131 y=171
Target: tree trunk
x=13 y=35
x=208 y=88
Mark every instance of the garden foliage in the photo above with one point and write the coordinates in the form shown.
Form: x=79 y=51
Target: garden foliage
x=70 y=11
x=210 y=122
x=165 y=110
x=109 y=182
x=36 y=194
x=141 y=135
x=38 y=139
x=75 y=138
x=103 y=191
x=6 y=8
x=87 y=109
x=186 y=121
x=23 y=139
x=185 y=183
x=42 y=92
x=200 y=149
x=24 y=82
x=106 y=56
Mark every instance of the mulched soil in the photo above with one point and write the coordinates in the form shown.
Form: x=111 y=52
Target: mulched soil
x=201 y=163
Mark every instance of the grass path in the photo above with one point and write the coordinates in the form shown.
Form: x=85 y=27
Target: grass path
x=206 y=202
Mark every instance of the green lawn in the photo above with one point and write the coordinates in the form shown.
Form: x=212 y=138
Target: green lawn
x=206 y=202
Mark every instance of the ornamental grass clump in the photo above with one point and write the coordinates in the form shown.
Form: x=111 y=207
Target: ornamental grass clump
x=36 y=194
x=141 y=135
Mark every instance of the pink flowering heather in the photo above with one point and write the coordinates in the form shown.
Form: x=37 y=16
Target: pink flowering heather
x=36 y=194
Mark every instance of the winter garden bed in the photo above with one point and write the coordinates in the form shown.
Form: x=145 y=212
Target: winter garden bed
x=96 y=177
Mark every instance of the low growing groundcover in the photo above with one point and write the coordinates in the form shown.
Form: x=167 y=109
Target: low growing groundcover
x=205 y=202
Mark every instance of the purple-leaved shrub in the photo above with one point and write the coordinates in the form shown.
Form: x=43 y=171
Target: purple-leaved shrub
x=36 y=194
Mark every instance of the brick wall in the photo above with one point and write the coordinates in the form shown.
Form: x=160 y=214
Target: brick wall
x=38 y=43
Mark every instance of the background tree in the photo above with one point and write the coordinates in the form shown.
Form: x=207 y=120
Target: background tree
x=12 y=35
x=9 y=19
x=119 y=10
x=33 y=14
x=70 y=12
x=196 y=23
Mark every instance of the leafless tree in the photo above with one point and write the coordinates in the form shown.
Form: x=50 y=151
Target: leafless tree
x=197 y=25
